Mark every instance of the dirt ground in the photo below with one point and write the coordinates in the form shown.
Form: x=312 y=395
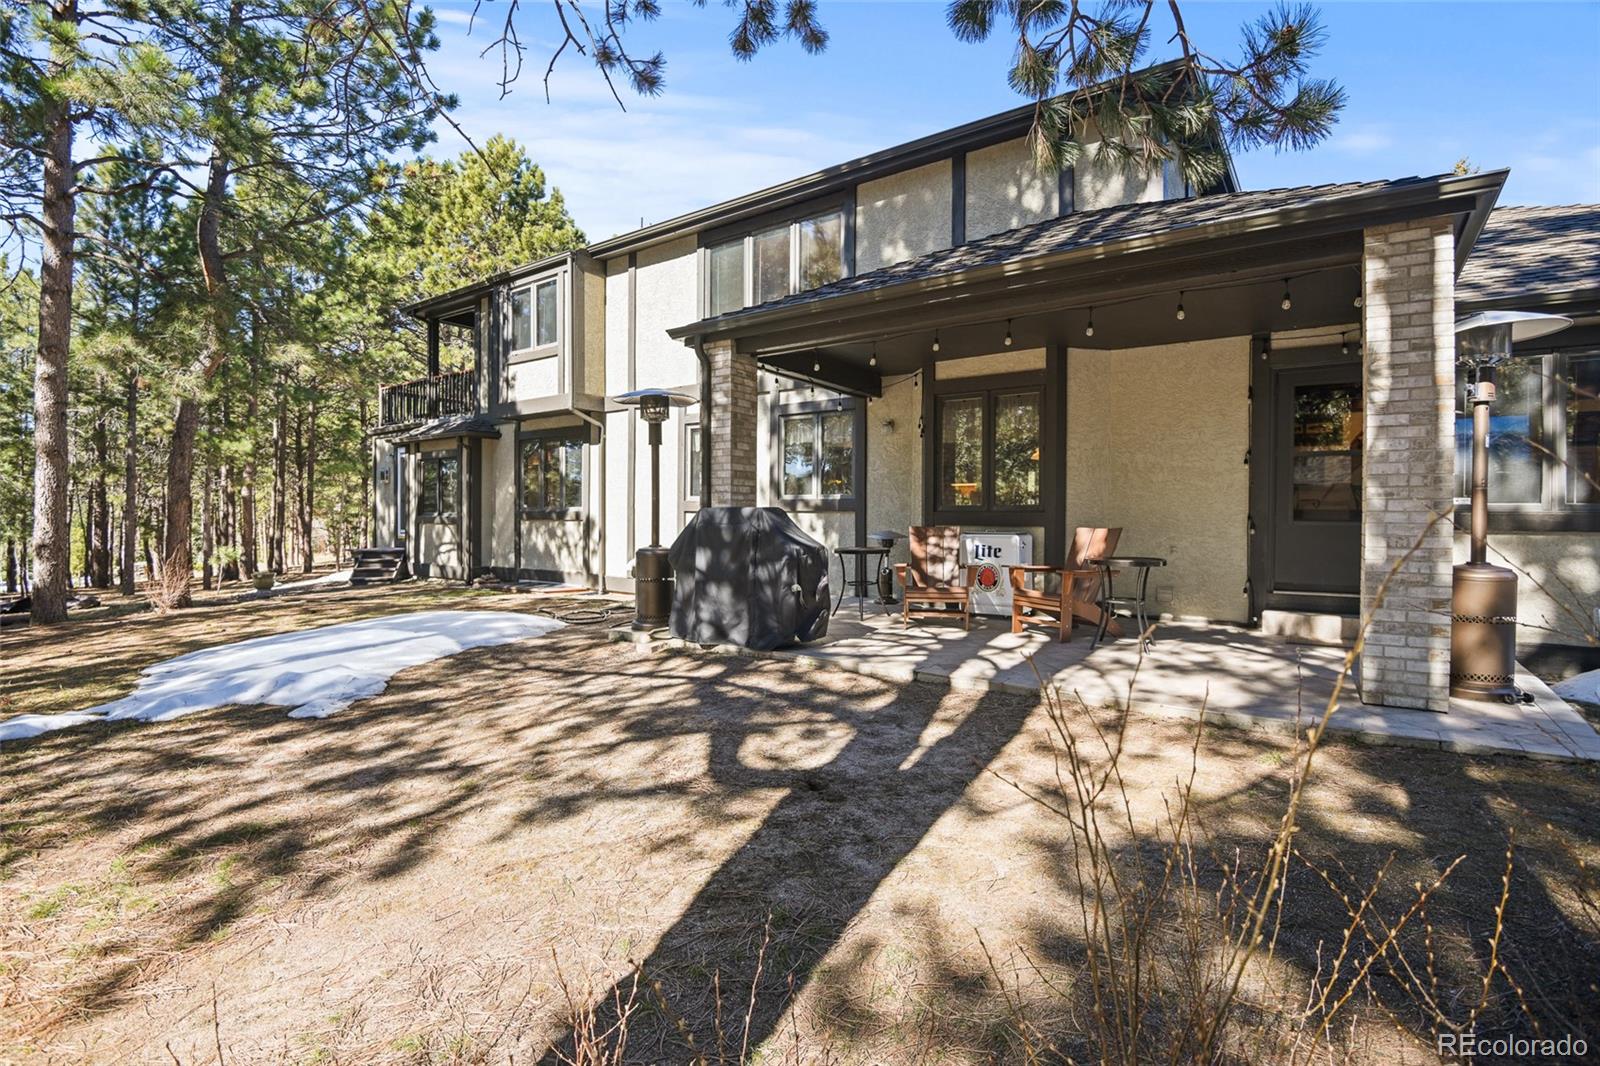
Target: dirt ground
x=455 y=869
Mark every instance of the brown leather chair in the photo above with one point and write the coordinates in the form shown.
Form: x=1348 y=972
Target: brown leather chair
x=935 y=577
x=1074 y=594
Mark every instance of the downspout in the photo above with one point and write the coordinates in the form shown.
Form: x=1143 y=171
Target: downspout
x=705 y=421
x=600 y=571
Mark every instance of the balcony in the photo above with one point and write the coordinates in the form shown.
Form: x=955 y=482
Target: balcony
x=437 y=396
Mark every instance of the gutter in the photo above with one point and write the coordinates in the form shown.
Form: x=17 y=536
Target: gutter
x=1483 y=187
x=600 y=571
x=705 y=419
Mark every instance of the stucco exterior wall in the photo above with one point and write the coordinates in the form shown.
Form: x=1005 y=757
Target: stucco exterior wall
x=1558 y=582
x=894 y=461
x=668 y=281
x=500 y=497
x=383 y=497
x=1005 y=190
x=619 y=546
x=1101 y=181
x=1156 y=439
x=1021 y=361
x=439 y=548
x=902 y=216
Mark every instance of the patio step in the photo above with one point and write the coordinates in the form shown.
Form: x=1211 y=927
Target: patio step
x=1308 y=627
x=374 y=566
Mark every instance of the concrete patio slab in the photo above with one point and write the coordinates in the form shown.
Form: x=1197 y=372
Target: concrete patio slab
x=1235 y=677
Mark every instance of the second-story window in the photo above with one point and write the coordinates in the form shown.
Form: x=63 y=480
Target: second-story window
x=534 y=317
x=772 y=263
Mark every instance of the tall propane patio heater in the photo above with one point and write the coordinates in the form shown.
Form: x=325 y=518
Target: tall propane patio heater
x=652 y=573
x=1483 y=612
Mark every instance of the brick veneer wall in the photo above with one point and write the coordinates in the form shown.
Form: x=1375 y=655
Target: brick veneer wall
x=732 y=433
x=1408 y=318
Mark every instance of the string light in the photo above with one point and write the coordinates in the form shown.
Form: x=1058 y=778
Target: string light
x=935 y=340
x=1088 y=331
x=816 y=367
x=1358 y=300
x=1287 y=302
x=873 y=359
x=1181 y=314
x=1344 y=345
x=1008 y=333
x=1266 y=347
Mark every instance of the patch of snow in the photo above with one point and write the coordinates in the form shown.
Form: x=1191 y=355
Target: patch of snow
x=1584 y=687
x=338 y=577
x=314 y=672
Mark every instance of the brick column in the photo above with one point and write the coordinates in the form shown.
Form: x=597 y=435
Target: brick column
x=731 y=434
x=1408 y=327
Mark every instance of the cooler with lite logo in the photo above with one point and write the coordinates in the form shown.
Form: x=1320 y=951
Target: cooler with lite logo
x=990 y=553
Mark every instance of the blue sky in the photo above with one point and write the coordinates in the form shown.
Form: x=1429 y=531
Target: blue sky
x=1505 y=84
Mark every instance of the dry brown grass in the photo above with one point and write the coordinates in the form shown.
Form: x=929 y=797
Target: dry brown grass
x=829 y=867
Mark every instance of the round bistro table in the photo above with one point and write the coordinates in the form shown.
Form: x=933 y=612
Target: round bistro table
x=860 y=555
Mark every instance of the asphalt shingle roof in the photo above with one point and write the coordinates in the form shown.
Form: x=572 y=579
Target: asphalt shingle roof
x=1532 y=250
x=1083 y=229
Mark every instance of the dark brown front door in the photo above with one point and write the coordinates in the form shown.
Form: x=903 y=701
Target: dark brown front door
x=1315 y=508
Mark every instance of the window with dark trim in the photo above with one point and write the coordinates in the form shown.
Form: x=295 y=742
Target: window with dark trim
x=439 y=484
x=694 y=466
x=770 y=263
x=534 y=316
x=1544 y=441
x=551 y=470
x=987 y=450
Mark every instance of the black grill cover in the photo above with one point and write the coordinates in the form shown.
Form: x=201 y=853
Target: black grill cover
x=748 y=576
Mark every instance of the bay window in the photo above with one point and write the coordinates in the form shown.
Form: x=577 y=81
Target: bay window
x=551 y=470
x=1544 y=442
x=769 y=264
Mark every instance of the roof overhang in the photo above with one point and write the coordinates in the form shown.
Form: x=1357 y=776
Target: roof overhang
x=968 y=137
x=465 y=298
x=447 y=428
x=1248 y=247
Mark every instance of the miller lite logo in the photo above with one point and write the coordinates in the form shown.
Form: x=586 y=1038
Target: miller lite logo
x=988 y=577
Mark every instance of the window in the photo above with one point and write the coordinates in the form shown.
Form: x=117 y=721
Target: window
x=534 y=316
x=726 y=266
x=793 y=257
x=1326 y=464
x=987 y=450
x=818 y=454
x=821 y=250
x=771 y=264
x=552 y=475
x=692 y=456
x=1544 y=438
x=440 y=486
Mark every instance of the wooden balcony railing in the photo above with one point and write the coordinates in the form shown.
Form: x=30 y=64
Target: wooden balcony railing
x=438 y=396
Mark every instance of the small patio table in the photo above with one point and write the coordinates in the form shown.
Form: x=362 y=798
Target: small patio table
x=860 y=555
x=1135 y=604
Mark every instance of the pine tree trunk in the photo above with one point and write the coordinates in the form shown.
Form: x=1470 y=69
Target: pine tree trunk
x=99 y=515
x=208 y=535
x=51 y=531
x=11 y=566
x=280 y=480
x=177 y=549
x=247 y=492
x=130 y=483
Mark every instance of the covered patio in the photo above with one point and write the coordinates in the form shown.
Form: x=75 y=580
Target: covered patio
x=1236 y=677
x=1203 y=374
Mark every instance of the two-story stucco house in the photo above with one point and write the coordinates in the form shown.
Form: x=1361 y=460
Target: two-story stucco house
x=1258 y=386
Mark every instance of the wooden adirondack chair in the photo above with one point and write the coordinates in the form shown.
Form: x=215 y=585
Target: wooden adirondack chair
x=1074 y=597
x=935 y=577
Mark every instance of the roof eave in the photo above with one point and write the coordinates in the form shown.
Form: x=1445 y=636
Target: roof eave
x=969 y=136
x=1482 y=188
x=466 y=295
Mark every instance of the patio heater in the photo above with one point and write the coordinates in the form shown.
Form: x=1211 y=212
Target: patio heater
x=652 y=573
x=1483 y=613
